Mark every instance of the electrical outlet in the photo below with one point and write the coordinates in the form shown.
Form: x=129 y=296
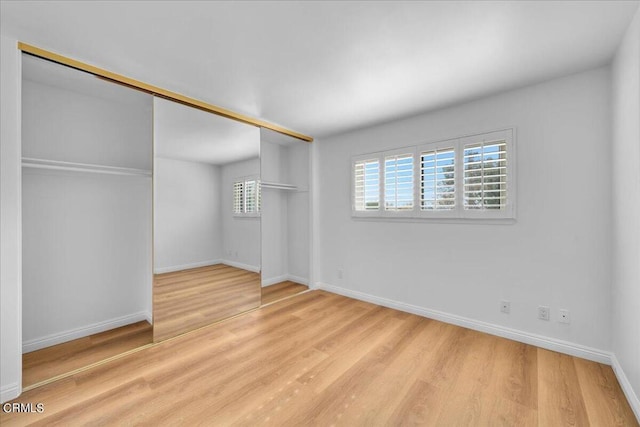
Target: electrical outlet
x=543 y=312
x=340 y=273
x=564 y=316
x=505 y=307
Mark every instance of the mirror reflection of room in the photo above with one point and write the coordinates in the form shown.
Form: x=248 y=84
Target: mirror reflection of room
x=86 y=219
x=206 y=218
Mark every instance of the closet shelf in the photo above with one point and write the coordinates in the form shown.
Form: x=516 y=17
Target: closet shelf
x=29 y=162
x=278 y=186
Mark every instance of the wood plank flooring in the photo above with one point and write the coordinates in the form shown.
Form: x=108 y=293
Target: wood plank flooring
x=41 y=365
x=323 y=359
x=57 y=360
x=189 y=299
x=281 y=290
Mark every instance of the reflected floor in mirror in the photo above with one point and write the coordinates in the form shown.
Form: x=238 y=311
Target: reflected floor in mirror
x=189 y=299
x=50 y=362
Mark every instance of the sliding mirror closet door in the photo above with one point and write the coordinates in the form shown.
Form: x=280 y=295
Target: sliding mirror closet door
x=206 y=218
x=285 y=165
x=86 y=219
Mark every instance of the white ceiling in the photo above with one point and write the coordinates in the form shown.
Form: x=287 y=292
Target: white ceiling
x=56 y=75
x=327 y=67
x=185 y=133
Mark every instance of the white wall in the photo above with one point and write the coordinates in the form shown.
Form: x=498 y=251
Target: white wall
x=556 y=253
x=626 y=211
x=86 y=254
x=10 y=221
x=298 y=213
x=104 y=131
x=188 y=215
x=275 y=251
x=86 y=237
x=240 y=235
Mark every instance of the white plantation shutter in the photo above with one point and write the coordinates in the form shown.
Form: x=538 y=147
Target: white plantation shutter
x=250 y=199
x=258 y=196
x=485 y=175
x=367 y=185
x=437 y=179
x=398 y=182
x=238 y=198
x=247 y=197
x=467 y=178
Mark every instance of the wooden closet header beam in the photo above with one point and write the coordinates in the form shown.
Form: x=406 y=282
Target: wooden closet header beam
x=36 y=51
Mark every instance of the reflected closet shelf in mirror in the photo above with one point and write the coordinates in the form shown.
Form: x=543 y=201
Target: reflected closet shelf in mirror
x=29 y=162
x=281 y=186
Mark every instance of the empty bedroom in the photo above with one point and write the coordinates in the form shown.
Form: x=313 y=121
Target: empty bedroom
x=296 y=213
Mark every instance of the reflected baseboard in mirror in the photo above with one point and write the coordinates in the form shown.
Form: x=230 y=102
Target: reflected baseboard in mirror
x=189 y=299
x=60 y=359
x=206 y=218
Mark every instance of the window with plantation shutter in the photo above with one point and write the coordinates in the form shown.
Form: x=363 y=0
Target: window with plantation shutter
x=258 y=196
x=250 y=202
x=437 y=179
x=367 y=185
x=485 y=175
x=398 y=182
x=247 y=197
x=471 y=177
x=238 y=197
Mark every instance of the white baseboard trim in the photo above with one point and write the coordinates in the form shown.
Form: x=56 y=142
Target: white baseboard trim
x=172 y=268
x=254 y=268
x=95 y=328
x=284 y=277
x=273 y=280
x=553 y=344
x=298 y=279
x=9 y=392
x=631 y=395
x=148 y=316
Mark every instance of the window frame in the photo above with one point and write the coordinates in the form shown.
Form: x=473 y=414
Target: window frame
x=433 y=146
x=509 y=210
x=243 y=180
x=383 y=170
x=365 y=158
x=459 y=212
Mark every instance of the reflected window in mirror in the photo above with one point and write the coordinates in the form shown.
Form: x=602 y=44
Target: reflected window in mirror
x=247 y=196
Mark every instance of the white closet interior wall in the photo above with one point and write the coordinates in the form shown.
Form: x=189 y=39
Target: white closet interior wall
x=86 y=235
x=298 y=226
x=285 y=213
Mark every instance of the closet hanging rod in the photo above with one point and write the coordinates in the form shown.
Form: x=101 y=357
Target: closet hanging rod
x=30 y=162
x=278 y=186
x=155 y=90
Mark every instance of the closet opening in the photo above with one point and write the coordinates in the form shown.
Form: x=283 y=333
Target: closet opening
x=145 y=218
x=286 y=209
x=86 y=219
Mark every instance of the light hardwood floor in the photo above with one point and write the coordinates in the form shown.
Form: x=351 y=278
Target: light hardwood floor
x=281 y=290
x=41 y=365
x=323 y=359
x=189 y=299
